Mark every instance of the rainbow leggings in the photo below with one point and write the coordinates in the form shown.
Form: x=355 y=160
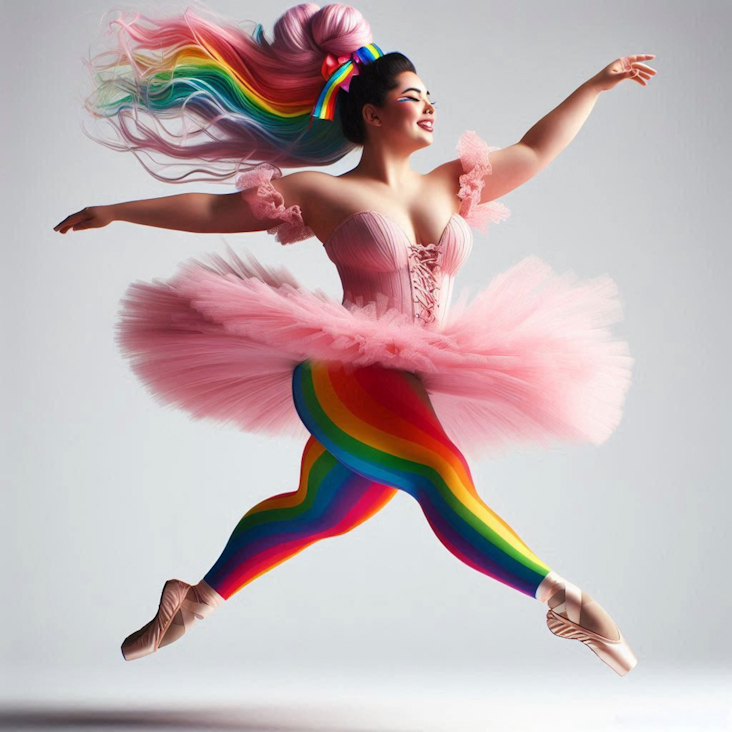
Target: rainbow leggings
x=373 y=432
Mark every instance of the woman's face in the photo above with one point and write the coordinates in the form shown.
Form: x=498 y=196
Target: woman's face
x=406 y=109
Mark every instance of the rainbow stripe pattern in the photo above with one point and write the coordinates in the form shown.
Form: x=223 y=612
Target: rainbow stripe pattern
x=191 y=88
x=373 y=432
x=341 y=78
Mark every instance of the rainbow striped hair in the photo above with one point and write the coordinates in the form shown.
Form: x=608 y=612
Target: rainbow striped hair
x=217 y=95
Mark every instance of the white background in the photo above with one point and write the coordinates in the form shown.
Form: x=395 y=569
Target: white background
x=107 y=495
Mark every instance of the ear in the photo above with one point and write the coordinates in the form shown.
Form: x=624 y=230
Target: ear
x=370 y=114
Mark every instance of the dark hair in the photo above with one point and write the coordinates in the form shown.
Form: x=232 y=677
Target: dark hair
x=369 y=86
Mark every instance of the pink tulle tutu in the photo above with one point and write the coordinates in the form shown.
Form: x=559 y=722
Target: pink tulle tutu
x=530 y=359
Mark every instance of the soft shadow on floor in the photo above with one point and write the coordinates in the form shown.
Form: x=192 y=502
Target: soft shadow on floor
x=245 y=718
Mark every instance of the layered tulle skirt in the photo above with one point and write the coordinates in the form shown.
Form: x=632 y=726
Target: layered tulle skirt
x=529 y=359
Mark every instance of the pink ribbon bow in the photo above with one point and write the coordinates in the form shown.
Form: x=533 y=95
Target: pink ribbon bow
x=331 y=63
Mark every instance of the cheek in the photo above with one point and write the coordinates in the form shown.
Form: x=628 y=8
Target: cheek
x=408 y=112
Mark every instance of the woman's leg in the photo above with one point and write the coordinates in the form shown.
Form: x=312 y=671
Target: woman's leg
x=379 y=423
x=331 y=500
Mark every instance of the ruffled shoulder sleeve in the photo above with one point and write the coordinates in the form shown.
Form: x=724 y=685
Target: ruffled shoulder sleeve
x=474 y=154
x=266 y=202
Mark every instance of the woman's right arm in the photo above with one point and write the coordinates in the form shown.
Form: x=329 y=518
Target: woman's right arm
x=204 y=213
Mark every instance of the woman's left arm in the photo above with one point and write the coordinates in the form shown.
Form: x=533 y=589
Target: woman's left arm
x=511 y=166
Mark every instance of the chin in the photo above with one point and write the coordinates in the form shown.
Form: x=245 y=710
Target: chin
x=421 y=139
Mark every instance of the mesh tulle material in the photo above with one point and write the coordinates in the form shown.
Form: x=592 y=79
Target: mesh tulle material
x=267 y=203
x=474 y=155
x=529 y=359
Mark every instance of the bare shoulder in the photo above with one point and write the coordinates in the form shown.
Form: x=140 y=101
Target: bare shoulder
x=303 y=186
x=445 y=178
x=323 y=198
x=451 y=170
x=309 y=188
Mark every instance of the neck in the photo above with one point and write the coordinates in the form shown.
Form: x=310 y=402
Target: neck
x=385 y=163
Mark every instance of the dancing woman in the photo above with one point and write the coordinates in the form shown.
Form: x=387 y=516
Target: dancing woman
x=392 y=387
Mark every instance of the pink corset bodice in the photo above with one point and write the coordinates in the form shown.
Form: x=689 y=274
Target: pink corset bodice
x=374 y=255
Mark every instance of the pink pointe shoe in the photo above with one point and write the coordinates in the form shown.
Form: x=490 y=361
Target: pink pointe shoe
x=180 y=606
x=615 y=652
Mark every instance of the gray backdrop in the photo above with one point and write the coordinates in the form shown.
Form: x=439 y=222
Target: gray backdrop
x=107 y=495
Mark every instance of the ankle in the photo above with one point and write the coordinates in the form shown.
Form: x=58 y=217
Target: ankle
x=206 y=594
x=592 y=616
x=551 y=588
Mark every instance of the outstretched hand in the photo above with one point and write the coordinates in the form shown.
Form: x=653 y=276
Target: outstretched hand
x=91 y=217
x=626 y=67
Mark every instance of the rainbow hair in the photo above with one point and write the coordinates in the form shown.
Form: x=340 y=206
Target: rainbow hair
x=239 y=99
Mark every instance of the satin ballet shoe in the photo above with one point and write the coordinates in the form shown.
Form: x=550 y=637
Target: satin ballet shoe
x=615 y=652
x=180 y=606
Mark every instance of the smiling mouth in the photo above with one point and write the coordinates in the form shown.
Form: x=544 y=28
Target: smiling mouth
x=426 y=125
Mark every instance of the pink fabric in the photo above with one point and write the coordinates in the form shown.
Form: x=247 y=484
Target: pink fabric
x=474 y=155
x=266 y=202
x=473 y=152
x=374 y=255
x=530 y=359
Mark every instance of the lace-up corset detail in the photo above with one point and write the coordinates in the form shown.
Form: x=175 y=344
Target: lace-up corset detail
x=377 y=262
x=376 y=259
x=424 y=271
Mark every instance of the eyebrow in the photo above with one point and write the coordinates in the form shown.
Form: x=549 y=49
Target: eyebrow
x=414 y=88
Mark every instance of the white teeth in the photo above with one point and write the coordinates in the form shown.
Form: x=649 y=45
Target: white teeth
x=425 y=125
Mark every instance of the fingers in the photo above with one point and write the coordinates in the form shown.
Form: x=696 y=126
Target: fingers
x=639 y=80
x=642 y=71
x=72 y=221
x=638 y=71
x=640 y=76
x=64 y=225
x=644 y=67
